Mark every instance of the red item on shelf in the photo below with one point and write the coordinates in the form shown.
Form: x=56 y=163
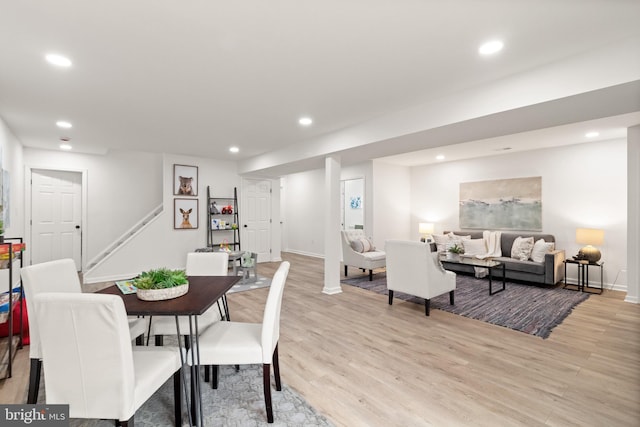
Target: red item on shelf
x=4 y=329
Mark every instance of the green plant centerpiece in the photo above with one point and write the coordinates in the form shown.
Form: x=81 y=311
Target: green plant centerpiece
x=455 y=251
x=161 y=284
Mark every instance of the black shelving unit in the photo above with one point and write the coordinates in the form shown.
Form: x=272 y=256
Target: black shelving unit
x=223 y=225
x=13 y=282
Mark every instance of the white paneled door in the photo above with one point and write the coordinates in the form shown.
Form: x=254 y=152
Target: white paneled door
x=56 y=211
x=256 y=218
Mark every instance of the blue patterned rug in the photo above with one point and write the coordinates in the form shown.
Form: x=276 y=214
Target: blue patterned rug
x=531 y=309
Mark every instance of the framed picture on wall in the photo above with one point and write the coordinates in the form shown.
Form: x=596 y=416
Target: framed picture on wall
x=185 y=214
x=185 y=180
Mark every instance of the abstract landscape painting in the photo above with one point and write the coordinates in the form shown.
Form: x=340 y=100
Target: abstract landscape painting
x=503 y=204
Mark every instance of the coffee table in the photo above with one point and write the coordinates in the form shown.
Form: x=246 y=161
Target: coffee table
x=487 y=263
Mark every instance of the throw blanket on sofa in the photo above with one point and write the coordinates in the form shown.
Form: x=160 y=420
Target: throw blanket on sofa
x=494 y=249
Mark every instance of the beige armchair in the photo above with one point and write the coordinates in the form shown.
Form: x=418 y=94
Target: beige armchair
x=413 y=269
x=364 y=260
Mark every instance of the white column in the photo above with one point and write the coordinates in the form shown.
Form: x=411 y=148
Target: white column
x=633 y=214
x=332 y=248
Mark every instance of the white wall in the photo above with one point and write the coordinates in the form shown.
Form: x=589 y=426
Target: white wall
x=302 y=212
x=123 y=187
x=11 y=155
x=582 y=186
x=159 y=244
x=391 y=203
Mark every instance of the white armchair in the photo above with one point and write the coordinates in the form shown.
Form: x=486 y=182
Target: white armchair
x=413 y=269
x=364 y=260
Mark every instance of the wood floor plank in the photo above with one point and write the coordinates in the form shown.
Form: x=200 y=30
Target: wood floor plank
x=362 y=362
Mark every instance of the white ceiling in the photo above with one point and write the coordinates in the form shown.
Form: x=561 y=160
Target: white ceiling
x=195 y=77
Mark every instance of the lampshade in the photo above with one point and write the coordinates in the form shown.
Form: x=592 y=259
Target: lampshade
x=425 y=228
x=589 y=237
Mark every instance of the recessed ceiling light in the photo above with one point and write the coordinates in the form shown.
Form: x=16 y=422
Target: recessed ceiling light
x=592 y=134
x=59 y=60
x=440 y=157
x=65 y=146
x=63 y=124
x=234 y=149
x=491 y=47
x=305 y=121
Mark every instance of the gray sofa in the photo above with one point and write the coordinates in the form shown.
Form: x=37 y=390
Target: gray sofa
x=549 y=272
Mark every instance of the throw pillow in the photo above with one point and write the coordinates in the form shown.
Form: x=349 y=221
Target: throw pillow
x=362 y=245
x=441 y=241
x=522 y=248
x=539 y=249
x=474 y=246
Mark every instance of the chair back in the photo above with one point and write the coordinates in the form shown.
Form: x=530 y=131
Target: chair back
x=412 y=268
x=53 y=276
x=87 y=355
x=207 y=263
x=271 y=317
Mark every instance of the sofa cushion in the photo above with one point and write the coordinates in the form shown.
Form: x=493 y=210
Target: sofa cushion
x=375 y=255
x=540 y=248
x=523 y=266
x=474 y=246
x=521 y=248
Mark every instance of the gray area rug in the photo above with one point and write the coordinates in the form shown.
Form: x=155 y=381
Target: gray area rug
x=531 y=309
x=247 y=285
x=238 y=402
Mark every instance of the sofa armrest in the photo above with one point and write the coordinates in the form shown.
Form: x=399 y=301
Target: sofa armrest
x=554 y=266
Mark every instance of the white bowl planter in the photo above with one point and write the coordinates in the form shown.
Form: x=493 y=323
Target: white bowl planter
x=162 y=294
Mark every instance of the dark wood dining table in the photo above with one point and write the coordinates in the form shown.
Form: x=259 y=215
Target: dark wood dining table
x=204 y=291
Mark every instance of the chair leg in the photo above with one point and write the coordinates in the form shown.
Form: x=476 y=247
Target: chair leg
x=214 y=376
x=345 y=271
x=427 y=306
x=370 y=275
x=451 y=298
x=140 y=340
x=126 y=423
x=177 y=397
x=159 y=340
x=207 y=373
x=34 y=380
x=390 y=297
x=266 y=377
x=276 y=368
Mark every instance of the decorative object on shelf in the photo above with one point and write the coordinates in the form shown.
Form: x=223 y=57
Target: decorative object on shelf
x=426 y=229
x=227 y=210
x=185 y=180
x=213 y=208
x=224 y=246
x=185 y=214
x=589 y=237
x=161 y=284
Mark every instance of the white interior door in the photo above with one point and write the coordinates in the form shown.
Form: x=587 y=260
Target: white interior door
x=56 y=212
x=256 y=218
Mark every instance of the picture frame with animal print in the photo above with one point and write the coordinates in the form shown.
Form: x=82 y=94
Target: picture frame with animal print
x=185 y=214
x=185 y=180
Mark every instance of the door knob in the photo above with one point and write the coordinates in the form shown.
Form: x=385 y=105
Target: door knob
x=77 y=227
x=245 y=226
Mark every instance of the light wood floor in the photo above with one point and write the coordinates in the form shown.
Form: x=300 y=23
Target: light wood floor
x=361 y=362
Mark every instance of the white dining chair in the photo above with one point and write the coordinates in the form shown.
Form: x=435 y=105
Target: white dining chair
x=53 y=276
x=90 y=364
x=198 y=264
x=239 y=343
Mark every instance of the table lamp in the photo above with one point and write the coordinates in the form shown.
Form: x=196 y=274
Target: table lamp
x=589 y=237
x=426 y=229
